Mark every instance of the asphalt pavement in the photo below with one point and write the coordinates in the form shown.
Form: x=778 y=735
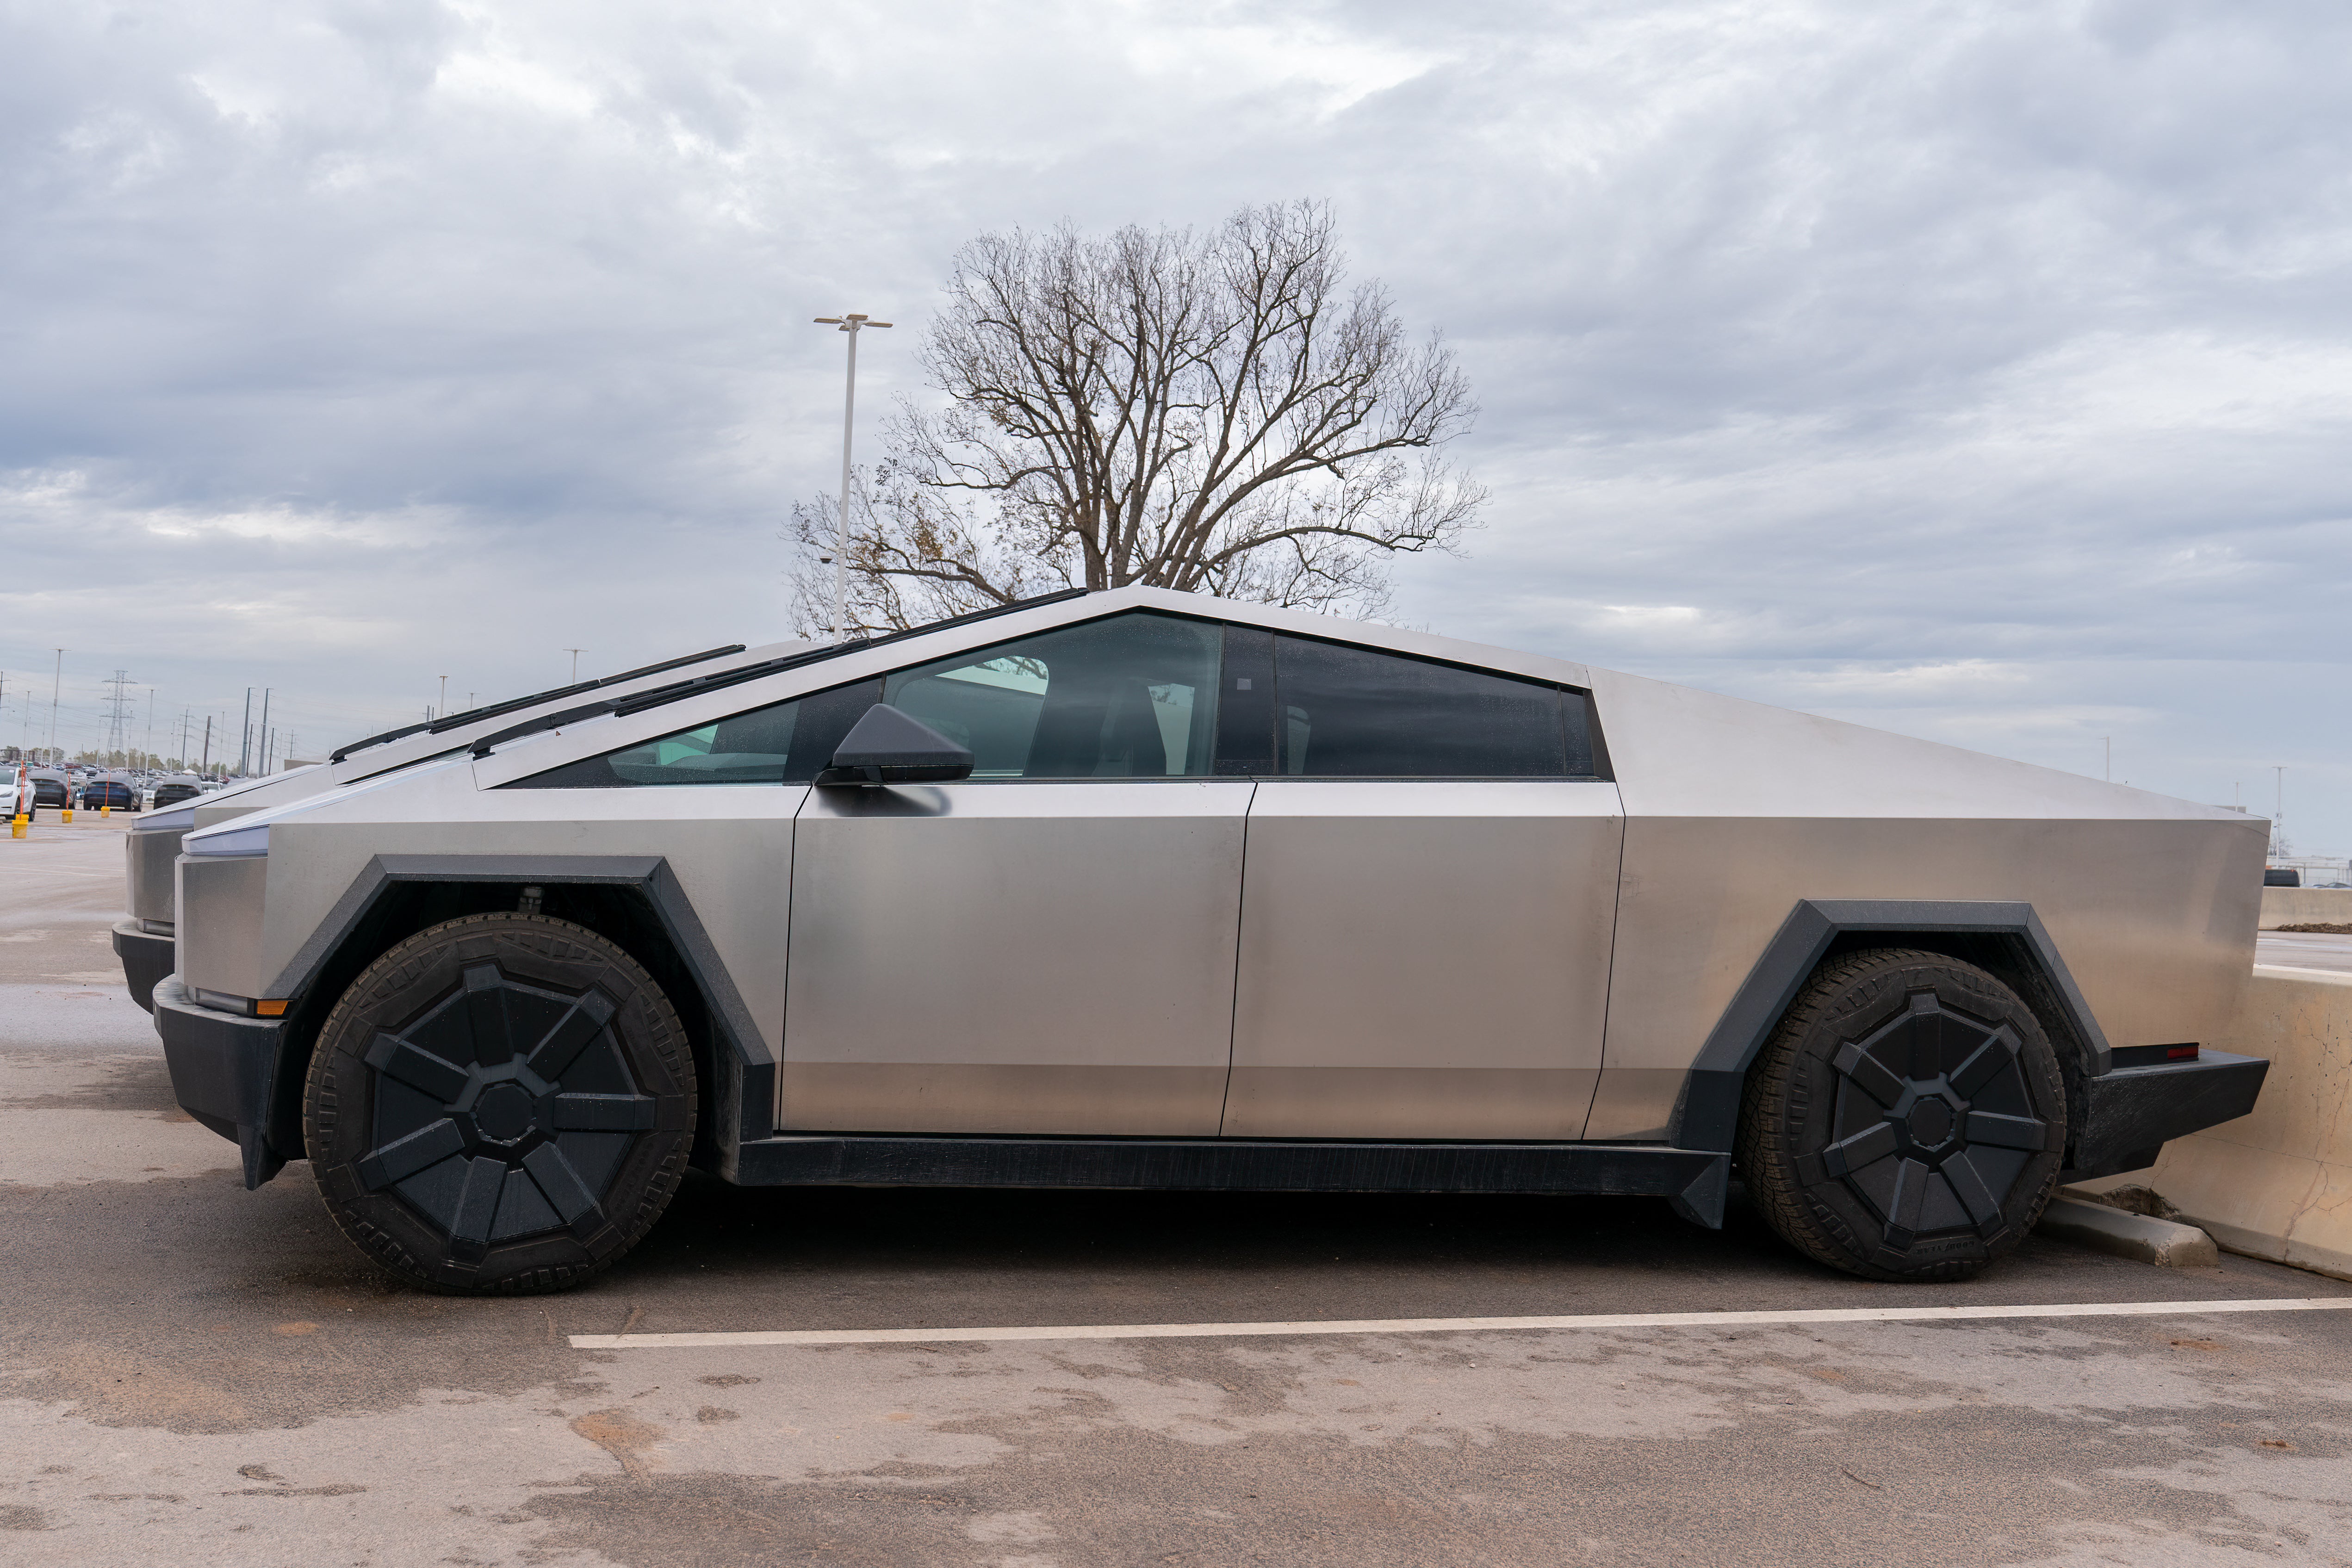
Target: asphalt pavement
x=193 y=1374
x=2328 y=950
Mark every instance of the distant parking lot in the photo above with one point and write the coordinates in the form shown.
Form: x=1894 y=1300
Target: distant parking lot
x=196 y=1374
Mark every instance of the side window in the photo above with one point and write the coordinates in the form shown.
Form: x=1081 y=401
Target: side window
x=783 y=743
x=1132 y=697
x=1352 y=713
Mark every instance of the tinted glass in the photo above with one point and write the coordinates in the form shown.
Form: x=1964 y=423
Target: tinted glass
x=783 y=743
x=1133 y=696
x=1245 y=703
x=1352 y=713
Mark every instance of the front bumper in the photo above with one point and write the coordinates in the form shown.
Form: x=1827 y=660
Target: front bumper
x=146 y=958
x=224 y=1073
x=2133 y=1112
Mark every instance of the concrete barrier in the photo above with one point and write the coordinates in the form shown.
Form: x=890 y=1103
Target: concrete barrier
x=2305 y=907
x=2277 y=1184
x=2139 y=1236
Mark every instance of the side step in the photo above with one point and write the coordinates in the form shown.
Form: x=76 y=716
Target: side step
x=1693 y=1180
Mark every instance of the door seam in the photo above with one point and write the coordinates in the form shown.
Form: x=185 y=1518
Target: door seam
x=791 y=891
x=1234 y=1010
x=1609 y=986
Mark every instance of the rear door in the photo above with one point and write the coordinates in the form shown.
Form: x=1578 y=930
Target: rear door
x=1048 y=946
x=1430 y=890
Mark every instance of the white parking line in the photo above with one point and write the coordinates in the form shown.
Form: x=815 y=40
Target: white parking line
x=1453 y=1325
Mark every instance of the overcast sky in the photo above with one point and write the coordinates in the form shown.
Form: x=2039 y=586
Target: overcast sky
x=1983 y=372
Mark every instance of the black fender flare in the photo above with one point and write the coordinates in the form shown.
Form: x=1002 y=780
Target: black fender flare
x=741 y=1087
x=2006 y=937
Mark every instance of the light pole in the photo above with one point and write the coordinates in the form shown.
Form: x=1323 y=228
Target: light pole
x=57 y=678
x=576 y=653
x=849 y=323
x=442 y=711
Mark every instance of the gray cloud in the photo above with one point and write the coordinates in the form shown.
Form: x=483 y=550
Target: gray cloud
x=1977 y=370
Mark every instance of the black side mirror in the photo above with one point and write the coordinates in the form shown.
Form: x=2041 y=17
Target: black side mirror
x=887 y=747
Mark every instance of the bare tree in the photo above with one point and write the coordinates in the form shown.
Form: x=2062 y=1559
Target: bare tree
x=1217 y=413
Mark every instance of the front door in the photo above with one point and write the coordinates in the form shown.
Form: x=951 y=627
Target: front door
x=1048 y=946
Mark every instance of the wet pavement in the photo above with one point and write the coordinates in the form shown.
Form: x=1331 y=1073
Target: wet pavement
x=190 y=1373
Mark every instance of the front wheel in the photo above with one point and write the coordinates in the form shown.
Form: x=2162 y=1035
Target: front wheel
x=1906 y=1120
x=501 y=1103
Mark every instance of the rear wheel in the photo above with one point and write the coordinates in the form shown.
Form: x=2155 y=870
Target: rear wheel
x=501 y=1103
x=1906 y=1119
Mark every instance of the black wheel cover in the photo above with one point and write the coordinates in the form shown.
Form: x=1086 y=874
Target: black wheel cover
x=503 y=1101
x=1906 y=1120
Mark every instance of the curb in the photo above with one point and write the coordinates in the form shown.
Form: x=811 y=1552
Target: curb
x=2135 y=1235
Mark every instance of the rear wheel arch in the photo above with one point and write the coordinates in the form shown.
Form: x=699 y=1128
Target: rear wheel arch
x=2006 y=939
x=2012 y=958
x=1906 y=1119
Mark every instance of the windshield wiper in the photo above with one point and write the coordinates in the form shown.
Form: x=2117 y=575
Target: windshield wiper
x=387 y=736
x=492 y=710
x=662 y=695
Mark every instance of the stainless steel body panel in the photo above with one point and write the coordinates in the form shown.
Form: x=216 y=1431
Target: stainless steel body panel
x=228 y=951
x=1014 y=958
x=730 y=846
x=261 y=794
x=1734 y=810
x=148 y=859
x=148 y=871
x=1423 y=959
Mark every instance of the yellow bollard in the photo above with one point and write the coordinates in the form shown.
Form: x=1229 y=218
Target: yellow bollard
x=16 y=825
x=64 y=813
x=106 y=809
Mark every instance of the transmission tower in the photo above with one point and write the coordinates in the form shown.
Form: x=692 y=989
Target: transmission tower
x=118 y=722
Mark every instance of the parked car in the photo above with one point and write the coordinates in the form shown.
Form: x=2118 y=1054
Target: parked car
x=16 y=790
x=144 y=942
x=173 y=788
x=2282 y=877
x=1140 y=889
x=51 y=789
x=108 y=792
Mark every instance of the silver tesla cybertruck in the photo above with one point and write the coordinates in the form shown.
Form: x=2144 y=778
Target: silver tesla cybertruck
x=145 y=942
x=1138 y=889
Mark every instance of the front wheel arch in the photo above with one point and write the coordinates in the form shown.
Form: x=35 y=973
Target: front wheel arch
x=621 y=913
x=502 y=1102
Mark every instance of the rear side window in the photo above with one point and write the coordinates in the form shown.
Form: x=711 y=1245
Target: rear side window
x=783 y=743
x=1131 y=697
x=1345 y=712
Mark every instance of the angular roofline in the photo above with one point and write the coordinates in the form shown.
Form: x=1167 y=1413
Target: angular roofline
x=822 y=668
x=592 y=733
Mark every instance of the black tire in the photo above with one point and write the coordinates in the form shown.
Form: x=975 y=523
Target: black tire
x=502 y=1102
x=1906 y=1120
